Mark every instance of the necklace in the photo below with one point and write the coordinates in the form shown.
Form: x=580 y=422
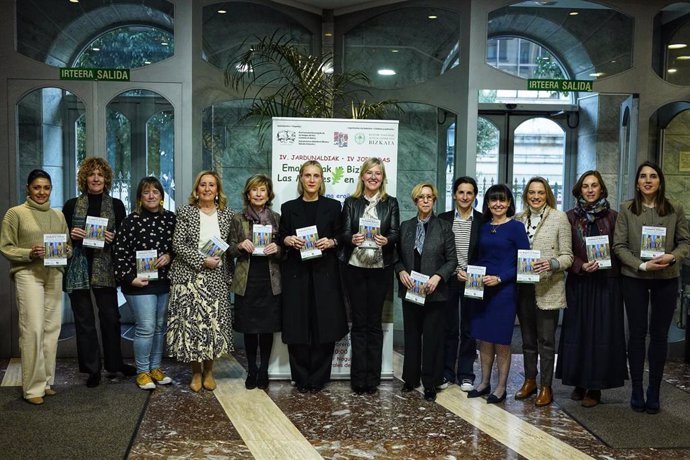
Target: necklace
x=494 y=226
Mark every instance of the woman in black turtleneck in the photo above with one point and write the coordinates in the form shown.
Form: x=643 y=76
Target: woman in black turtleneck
x=90 y=270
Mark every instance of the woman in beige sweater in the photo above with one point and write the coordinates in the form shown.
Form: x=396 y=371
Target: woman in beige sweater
x=38 y=284
x=548 y=231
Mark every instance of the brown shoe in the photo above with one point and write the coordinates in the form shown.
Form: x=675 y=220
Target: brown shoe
x=209 y=381
x=577 y=394
x=592 y=398
x=544 y=398
x=528 y=389
x=195 y=384
x=50 y=392
x=37 y=401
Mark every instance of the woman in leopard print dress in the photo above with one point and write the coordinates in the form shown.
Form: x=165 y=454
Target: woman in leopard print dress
x=199 y=326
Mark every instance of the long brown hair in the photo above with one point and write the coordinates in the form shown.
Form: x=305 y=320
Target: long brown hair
x=663 y=206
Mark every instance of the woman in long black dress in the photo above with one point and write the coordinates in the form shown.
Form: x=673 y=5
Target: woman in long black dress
x=591 y=353
x=313 y=311
x=256 y=283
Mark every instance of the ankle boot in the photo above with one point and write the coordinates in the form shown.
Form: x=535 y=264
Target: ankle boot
x=545 y=397
x=528 y=389
x=209 y=382
x=195 y=384
x=637 y=398
x=652 y=406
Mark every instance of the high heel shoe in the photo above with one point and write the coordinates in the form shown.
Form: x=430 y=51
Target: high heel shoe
x=493 y=399
x=637 y=399
x=478 y=393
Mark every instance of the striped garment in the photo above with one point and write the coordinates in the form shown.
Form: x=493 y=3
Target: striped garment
x=462 y=229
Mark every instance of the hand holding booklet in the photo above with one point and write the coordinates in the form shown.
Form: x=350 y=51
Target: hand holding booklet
x=146 y=264
x=598 y=249
x=95 y=229
x=214 y=247
x=261 y=237
x=369 y=228
x=417 y=294
x=310 y=235
x=474 y=286
x=653 y=242
x=525 y=269
x=55 y=245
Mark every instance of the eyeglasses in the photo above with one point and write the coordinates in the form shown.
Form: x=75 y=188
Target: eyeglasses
x=425 y=198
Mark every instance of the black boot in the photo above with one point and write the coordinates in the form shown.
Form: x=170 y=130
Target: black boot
x=637 y=398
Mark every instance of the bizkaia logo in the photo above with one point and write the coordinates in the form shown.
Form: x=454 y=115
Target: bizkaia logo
x=360 y=138
x=340 y=139
x=286 y=136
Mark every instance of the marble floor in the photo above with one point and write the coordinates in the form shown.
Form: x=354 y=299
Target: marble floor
x=281 y=423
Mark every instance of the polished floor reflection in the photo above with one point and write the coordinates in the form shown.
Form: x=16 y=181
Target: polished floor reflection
x=336 y=423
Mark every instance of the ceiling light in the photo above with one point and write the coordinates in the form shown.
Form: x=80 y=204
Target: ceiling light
x=684 y=57
x=395 y=50
x=386 y=72
x=147 y=62
x=597 y=74
x=432 y=16
x=164 y=43
x=677 y=46
x=74 y=1
x=222 y=11
x=328 y=34
x=672 y=70
x=95 y=48
x=328 y=69
x=573 y=13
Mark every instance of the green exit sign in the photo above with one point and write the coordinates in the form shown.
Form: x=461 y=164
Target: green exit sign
x=559 y=85
x=76 y=73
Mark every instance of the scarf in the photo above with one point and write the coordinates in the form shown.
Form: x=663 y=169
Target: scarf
x=587 y=213
x=421 y=233
x=102 y=272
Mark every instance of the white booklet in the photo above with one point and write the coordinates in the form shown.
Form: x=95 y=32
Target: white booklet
x=525 y=269
x=653 y=242
x=261 y=237
x=214 y=247
x=417 y=293
x=474 y=286
x=55 y=245
x=598 y=249
x=95 y=232
x=369 y=228
x=310 y=235
x=146 y=264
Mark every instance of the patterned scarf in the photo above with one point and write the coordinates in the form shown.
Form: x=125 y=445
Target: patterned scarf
x=102 y=274
x=369 y=257
x=587 y=213
x=263 y=217
x=421 y=234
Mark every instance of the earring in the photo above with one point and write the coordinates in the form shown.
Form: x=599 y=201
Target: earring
x=162 y=202
x=139 y=204
x=216 y=199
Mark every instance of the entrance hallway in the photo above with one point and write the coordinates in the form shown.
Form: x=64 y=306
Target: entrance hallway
x=335 y=423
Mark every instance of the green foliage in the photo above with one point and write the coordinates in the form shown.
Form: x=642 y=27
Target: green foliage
x=549 y=69
x=338 y=173
x=127 y=48
x=284 y=81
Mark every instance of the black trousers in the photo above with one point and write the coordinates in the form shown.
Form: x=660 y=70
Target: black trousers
x=638 y=294
x=367 y=289
x=459 y=362
x=310 y=364
x=88 y=349
x=424 y=337
x=538 y=328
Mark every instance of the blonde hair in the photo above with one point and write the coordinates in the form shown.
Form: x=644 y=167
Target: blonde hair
x=300 y=188
x=258 y=180
x=366 y=166
x=222 y=200
x=417 y=191
x=550 y=199
x=90 y=164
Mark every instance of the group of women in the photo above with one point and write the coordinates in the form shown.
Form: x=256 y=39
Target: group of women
x=184 y=302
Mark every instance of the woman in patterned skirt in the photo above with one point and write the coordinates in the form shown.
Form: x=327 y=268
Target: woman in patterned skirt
x=199 y=327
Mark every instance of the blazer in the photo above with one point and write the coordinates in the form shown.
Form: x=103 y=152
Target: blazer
x=438 y=254
x=554 y=239
x=240 y=230
x=188 y=261
x=321 y=275
x=477 y=220
x=628 y=235
x=388 y=213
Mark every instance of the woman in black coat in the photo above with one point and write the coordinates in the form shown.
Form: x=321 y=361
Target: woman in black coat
x=313 y=311
x=426 y=246
x=369 y=269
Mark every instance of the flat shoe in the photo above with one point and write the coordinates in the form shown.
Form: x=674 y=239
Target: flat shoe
x=430 y=394
x=37 y=401
x=493 y=399
x=94 y=380
x=50 y=392
x=406 y=388
x=478 y=393
x=577 y=394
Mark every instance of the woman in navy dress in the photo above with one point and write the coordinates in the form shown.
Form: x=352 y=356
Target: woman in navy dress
x=493 y=318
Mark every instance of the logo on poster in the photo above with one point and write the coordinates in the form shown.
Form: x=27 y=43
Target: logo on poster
x=360 y=138
x=286 y=137
x=340 y=139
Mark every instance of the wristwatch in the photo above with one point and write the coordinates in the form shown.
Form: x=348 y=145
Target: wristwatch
x=498 y=278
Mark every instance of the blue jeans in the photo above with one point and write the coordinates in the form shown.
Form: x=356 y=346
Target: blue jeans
x=150 y=313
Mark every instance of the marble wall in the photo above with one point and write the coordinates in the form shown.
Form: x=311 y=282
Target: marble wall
x=676 y=159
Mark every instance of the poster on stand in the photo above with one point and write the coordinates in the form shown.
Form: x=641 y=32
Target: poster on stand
x=341 y=146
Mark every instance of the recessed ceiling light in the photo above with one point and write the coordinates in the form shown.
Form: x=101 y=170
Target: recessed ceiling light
x=395 y=50
x=677 y=46
x=432 y=16
x=95 y=48
x=164 y=43
x=684 y=57
x=222 y=11
x=672 y=70
x=386 y=72
x=328 y=34
x=597 y=74
x=74 y=1
x=147 y=62
x=573 y=13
